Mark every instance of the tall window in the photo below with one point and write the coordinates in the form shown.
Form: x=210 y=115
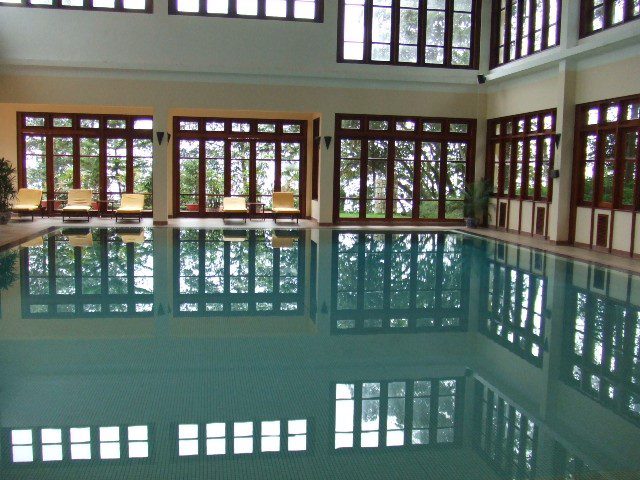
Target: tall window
x=438 y=33
x=145 y=6
x=219 y=273
x=398 y=168
x=395 y=283
x=523 y=27
x=505 y=436
x=299 y=10
x=79 y=273
x=398 y=413
x=608 y=155
x=217 y=158
x=522 y=152
x=109 y=155
x=602 y=343
x=598 y=15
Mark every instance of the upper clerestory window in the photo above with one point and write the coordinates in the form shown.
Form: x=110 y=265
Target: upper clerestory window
x=434 y=33
x=143 y=6
x=523 y=27
x=599 y=15
x=296 y=10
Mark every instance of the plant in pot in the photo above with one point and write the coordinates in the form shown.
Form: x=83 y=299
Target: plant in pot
x=476 y=202
x=7 y=189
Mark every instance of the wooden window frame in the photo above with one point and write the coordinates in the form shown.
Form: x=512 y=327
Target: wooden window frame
x=505 y=41
x=102 y=133
x=503 y=139
x=228 y=136
x=261 y=15
x=586 y=16
x=600 y=129
x=57 y=5
x=422 y=18
x=418 y=136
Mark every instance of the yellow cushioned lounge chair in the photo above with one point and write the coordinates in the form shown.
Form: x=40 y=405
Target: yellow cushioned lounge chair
x=283 y=205
x=28 y=202
x=131 y=204
x=234 y=205
x=78 y=203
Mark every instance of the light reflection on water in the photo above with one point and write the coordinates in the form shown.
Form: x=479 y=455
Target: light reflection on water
x=160 y=350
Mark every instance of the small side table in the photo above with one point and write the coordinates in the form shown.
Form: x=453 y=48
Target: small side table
x=258 y=209
x=108 y=204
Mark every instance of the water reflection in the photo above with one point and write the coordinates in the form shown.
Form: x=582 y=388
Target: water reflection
x=399 y=282
x=510 y=363
x=88 y=273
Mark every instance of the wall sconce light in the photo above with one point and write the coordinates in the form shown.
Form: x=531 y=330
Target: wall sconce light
x=558 y=137
x=327 y=141
x=556 y=173
x=161 y=135
x=481 y=79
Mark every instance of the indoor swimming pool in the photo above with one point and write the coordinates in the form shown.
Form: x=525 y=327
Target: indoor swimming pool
x=166 y=353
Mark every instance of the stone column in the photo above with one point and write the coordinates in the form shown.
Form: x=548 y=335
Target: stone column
x=560 y=210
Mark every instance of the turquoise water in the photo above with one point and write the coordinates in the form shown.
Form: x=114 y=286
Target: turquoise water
x=192 y=354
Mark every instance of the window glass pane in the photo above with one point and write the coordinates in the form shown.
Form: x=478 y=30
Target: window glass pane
x=350 y=154
x=240 y=155
x=276 y=8
x=188 y=6
x=247 y=7
x=189 y=151
x=90 y=163
x=35 y=162
x=403 y=179
x=62 y=164
x=304 y=9
x=377 y=178
x=218 y=6
x=142 y=169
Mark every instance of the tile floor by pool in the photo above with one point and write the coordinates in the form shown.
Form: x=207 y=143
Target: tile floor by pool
x=170 y=353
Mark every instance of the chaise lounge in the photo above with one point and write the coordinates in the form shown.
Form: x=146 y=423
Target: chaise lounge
x=131 y=205
x=283 y=205
x=78 y=203
x=28 y=202
x=232 y=206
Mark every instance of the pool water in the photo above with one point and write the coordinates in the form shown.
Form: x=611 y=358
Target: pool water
x=166 y=353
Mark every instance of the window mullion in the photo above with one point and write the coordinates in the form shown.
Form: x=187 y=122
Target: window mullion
x=519 y=27
x=395 y=31
x=261 y=9
x=422 y=31
x=233 y=10
x=368 y=23
x=448 y=33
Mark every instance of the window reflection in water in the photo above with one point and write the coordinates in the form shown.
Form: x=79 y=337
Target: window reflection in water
x=602 y=341
x=59 y=444
x=505 y=436
x=83 y=272
x=397 y=413
x=515 y=305
x=239 y=272
x=399 y=282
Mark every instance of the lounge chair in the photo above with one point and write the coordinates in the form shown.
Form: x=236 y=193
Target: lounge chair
x=78 y=203
x=234 y=205
x=28 y=202
x=283 y=206
x=131 y=204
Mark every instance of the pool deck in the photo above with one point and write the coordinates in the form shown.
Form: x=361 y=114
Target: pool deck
x=16 y=231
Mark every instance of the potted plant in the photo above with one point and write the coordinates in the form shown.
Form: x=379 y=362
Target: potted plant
x=8 y=269
x=7 y=189
x=476 y=202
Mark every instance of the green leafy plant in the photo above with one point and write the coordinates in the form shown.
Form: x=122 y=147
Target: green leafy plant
x=476 y=201
x=8 y=273
x=7 y=184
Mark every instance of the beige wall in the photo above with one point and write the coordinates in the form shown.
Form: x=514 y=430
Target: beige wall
x=110 y=95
